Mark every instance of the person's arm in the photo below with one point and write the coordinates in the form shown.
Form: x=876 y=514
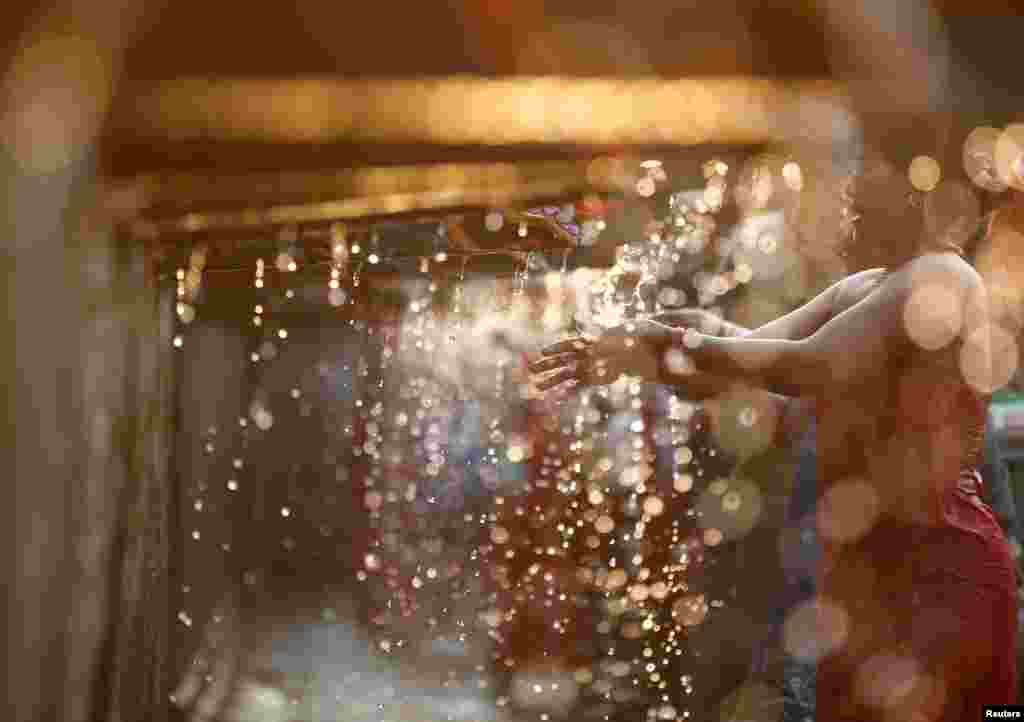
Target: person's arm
x=630 y=348
x=701 y=320
x=805 y=320
x=854 y=344
x=643 y=348
x=705 y=387
x=793 y=326
x=851 y=344
x=848 y=344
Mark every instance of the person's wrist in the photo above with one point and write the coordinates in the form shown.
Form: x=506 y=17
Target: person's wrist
x=654 y=335
x=674 y=338
x=671 y=360
x=733 y=330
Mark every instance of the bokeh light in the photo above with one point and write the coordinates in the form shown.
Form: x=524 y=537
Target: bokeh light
x=815 y=629
x=979 y=159
x=1009 y=149
x=924 y=173
x=989 y=358
x=933 y=315
x=848 y=510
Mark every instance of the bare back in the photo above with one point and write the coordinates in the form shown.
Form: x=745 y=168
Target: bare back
x=912 y=557
x=914 y=422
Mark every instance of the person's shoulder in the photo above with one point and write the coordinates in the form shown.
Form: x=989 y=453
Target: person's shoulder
x=936 y=291
x=938 y=270
x=855 y=287
x=861 y=276
x=867 y=277
x=946 y=262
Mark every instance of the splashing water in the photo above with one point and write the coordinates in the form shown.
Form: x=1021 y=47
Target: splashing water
x=543 y=552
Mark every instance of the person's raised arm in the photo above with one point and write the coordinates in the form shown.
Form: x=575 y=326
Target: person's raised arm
x=803 y=321
x=793 y=326
x=702 y=320
x=642 y=348
x=853 y=345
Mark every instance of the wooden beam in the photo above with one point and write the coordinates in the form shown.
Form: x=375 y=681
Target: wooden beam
x=480 y=116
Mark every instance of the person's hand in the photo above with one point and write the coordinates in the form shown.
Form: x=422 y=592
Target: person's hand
x=634 y=348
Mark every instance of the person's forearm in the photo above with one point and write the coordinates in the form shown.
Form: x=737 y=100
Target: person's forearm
x=671 y=368
x=778 y=365
x=702 y=320
x=699 y=386
x=677 y=367
x=696 y=386
x=677 y=371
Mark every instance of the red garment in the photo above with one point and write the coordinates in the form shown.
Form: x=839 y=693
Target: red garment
x=930 y=622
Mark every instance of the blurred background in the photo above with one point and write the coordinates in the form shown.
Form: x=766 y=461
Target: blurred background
x=271 y=276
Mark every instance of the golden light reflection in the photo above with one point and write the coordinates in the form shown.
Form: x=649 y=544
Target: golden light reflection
x=682 y=483
x=712 y=537
x=548 y=109
x=924 y=173
x=366 y=192
x=653 y=506
x=793 y=175
x=604 y=524
x=691 y=610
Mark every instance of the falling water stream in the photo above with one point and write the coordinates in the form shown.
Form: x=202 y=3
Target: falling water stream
x=528 y=558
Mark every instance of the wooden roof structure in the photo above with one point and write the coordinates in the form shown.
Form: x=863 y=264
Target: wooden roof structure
x=226 y=116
